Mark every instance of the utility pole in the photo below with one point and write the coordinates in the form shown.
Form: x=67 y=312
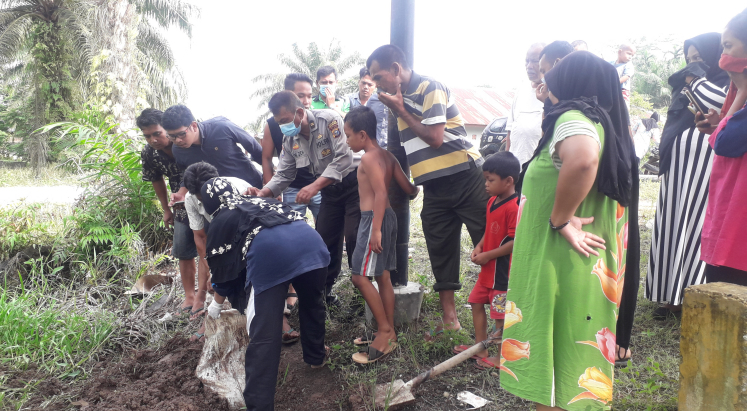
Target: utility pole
x=402 y=35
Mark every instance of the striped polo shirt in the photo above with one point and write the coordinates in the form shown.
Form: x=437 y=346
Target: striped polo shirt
x=432 y=103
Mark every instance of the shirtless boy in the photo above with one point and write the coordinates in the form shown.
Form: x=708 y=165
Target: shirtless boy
x=377 y=232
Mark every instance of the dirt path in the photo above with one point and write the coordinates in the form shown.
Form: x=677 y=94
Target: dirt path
x=43 y=194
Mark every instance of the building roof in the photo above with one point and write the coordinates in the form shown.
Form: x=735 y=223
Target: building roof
x=479 y=106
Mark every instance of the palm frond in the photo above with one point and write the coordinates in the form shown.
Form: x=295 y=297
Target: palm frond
x=168 y=13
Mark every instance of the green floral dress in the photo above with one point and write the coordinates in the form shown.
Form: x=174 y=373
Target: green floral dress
x=559 y=336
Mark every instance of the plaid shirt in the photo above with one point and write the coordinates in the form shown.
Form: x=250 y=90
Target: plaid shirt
x=156 y=165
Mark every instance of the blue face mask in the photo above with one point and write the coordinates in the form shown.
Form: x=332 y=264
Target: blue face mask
x=323 y=89
x=290 y=129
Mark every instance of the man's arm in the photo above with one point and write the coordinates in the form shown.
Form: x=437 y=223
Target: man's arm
x=431 y=128
x=163 y=197
x=268 y=151
x=508 y=141
x=401 y=178
x=284 y=175
x=249 y=143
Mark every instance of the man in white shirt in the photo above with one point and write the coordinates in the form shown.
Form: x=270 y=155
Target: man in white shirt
x=525 y=119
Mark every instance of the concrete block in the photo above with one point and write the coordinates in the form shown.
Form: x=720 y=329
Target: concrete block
x=713 y=345
x=407 y=302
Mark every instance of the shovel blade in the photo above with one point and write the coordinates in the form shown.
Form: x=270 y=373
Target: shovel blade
x=394 y=395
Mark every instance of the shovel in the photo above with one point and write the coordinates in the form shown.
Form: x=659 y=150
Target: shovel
x=398 y=393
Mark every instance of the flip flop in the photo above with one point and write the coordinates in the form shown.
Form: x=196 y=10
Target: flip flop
x=373 y=355
x=368 y=338
x=185 y=310
x=290 y=338
x=622 y=362
x=193 y=313
x=198 y=335
x=486 y=364
x=458 y=349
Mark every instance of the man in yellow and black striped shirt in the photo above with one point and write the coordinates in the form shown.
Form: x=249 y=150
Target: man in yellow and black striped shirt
x=441 y=160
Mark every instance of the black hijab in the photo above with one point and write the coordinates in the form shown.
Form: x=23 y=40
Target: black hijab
x=679 y=117
x=236 y=221
x=585 y=82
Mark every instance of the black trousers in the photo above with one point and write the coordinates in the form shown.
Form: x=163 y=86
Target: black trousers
x=715 y=274
x=339 y=216
x=449 y=202
x=265 y=331
x=629 y=298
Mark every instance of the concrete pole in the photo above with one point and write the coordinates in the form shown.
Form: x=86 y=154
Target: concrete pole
x=402 y=35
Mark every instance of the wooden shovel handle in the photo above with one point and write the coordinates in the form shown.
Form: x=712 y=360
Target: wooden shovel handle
x=449 y=364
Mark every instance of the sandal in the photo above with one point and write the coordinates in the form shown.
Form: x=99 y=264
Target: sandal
x=199 y=336
x=462 y=348
x=372 y=354
x=185 y=310
x=486 y=364
x=621 y=361
x=288 y=338
x=288 y=307
x=367 y=338
x=196 y=312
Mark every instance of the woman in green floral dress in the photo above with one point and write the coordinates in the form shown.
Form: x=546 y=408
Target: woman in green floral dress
x=568 y=265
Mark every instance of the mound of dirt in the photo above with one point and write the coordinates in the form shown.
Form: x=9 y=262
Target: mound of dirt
x=152 y=380
x=302 y=388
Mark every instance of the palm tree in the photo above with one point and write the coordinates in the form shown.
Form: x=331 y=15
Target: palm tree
x=306 y=62
x=63 y=52
x=654 y=63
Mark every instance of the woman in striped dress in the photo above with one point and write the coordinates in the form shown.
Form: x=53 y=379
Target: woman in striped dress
x=685 y=165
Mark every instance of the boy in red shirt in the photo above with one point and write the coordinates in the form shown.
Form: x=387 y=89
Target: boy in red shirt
x=493 y=252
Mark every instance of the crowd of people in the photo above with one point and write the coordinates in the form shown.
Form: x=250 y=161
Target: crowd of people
x=553 y=220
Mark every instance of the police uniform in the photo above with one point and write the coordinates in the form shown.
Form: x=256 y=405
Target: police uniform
x=325 y=154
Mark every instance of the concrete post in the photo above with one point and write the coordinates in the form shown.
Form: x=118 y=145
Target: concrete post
x=713 y=345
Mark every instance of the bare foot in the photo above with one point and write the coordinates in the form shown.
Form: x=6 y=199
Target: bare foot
x=198 y=308
x=199 y=335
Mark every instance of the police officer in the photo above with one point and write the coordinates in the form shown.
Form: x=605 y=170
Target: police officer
x=314 y=140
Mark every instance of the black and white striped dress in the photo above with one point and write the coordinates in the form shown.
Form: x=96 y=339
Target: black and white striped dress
x=674 y=261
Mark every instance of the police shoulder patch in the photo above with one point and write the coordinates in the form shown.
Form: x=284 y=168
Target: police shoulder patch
x=333 y=126
x=295 y=146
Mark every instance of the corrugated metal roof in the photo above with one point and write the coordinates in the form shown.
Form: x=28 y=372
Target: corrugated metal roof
x=480 y=106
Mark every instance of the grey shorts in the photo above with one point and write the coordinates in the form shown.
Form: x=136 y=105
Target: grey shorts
x=184 y=242
x=365 y=261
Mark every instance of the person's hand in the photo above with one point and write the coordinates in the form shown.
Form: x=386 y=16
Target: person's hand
x=214 y=309
x=175 y=197
x=475 y=252
x=480 y=259
x=168 y=218
x=330 y=96
x=707 y=123
x=252 y=191
x=542 y=92
x=580 y=240
x=305 y=195
x=375 y=242
x=395 y=102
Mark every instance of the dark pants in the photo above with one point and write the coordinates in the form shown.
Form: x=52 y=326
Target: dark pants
x=265 y=331
x=629 y=298
x=715 y=274
x=234 y=291
x=449 y=202
x=338 y=220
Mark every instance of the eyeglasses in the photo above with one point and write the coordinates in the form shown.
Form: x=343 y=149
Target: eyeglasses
x=178 y=136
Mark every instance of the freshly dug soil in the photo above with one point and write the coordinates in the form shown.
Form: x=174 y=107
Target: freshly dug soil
x=151 y=380
x=300 y=387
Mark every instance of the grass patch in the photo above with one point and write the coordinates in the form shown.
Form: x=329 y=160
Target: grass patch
x=36 y=329
x=52 y=175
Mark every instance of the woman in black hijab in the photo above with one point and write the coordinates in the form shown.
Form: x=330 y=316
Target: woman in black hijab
x=276 y=247
x=685 y=164
x=568 y=273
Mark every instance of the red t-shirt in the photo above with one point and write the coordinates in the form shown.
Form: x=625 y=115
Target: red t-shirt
x=500 y=228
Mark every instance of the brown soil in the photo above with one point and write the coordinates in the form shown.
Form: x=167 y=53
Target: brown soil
x=302 y=388
x=163 y=379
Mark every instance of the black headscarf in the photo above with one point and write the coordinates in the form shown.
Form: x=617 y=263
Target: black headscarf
x=679 y=117
x=584 y=82
x=236 y=221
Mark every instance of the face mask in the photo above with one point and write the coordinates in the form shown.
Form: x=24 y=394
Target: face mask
x=326 y=88
x=733 y=64
x=290 y=129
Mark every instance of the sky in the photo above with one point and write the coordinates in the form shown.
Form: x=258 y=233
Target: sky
x=465 y=43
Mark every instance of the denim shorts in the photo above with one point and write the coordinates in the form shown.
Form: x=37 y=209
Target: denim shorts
x=289 y=197
x=184 y=242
